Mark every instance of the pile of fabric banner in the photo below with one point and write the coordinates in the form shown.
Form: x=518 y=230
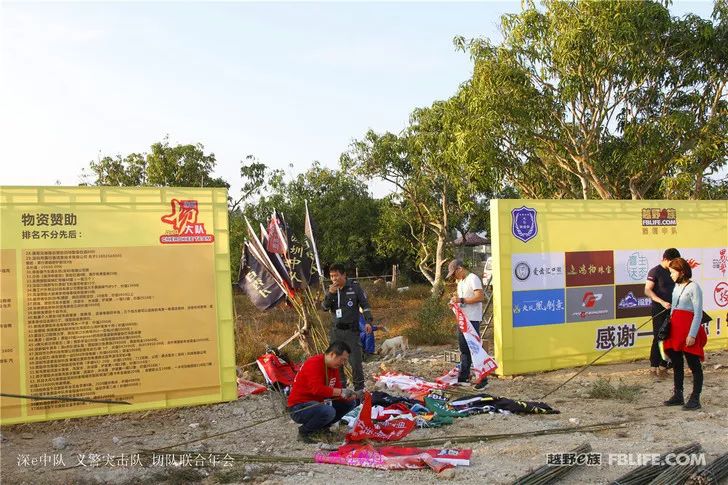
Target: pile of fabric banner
x=384 y=417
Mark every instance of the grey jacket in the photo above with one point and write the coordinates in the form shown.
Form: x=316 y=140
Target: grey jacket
x=348 y=299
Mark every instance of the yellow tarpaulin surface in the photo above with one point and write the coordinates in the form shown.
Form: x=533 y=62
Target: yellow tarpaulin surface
x=118 y=294
x=569 y=276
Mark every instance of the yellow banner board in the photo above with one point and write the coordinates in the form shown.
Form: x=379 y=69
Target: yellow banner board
x=115 y=294
x=569 y=276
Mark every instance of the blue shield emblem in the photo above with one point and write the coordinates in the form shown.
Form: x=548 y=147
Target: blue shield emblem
x=524 y=223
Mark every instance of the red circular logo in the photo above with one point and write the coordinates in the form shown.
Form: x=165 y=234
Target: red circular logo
x=720 y=294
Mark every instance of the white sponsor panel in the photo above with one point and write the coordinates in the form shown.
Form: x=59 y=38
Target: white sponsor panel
x=715 y=295
x=539 y=271
x=631 y=266
x=715 y=263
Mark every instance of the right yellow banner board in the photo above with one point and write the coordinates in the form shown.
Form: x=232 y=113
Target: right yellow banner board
x=569 y=276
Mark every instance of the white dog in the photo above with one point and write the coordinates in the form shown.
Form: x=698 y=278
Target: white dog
x=391 y=345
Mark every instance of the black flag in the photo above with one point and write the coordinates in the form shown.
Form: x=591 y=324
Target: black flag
x=299 y=264
x=257 y=282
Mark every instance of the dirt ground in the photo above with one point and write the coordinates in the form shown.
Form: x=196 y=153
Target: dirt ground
x=653 y=429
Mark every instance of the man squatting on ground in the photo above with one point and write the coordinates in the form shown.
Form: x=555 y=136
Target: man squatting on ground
x=343 y=300
x=318 y=399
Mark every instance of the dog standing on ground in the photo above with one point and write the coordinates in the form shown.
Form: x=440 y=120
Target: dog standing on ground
x=391 y=345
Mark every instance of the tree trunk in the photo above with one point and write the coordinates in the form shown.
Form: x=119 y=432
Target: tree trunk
x=438 y=286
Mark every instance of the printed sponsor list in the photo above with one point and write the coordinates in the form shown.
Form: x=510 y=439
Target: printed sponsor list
x=116 y=323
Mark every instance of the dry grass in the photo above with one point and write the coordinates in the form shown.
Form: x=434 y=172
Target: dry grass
x=604 y=389
x=398 y=311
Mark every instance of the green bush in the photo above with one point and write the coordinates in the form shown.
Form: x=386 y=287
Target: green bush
x=435 y=324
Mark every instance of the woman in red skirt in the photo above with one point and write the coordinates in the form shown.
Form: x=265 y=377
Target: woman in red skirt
x=687 y=336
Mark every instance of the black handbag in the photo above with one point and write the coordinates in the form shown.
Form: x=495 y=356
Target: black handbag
x=664 y=331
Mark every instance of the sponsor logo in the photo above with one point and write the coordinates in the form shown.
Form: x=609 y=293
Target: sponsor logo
x=720 y=294
x=637 y=266
x=659 y=217
x=630 y=301
x=524 y=226
x=588 y=304
x=721 y=262
x=522 y=271
x=185 y=227
x=539 y=307
x=589 y=268
x=590 y=299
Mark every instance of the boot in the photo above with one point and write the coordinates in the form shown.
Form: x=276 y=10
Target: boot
x=693 y=402
x=677 y=398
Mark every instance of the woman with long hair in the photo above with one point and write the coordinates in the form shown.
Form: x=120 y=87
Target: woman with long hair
x=687 y=336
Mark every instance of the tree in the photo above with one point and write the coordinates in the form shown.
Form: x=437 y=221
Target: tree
x=128 y=171
x=436 y=190
x=599 y=99
x=164 y=166
x=345 y=214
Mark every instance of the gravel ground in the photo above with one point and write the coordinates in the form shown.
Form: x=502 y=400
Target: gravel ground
x=653 y=429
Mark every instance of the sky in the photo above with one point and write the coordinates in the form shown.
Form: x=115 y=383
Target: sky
x=287 y=82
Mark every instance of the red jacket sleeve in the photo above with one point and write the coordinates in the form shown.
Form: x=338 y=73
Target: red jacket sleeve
x=311 y=380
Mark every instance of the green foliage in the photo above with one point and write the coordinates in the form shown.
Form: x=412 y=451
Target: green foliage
x=345 y=214
x=164 y=166
x=435 y=324
x=599 y=99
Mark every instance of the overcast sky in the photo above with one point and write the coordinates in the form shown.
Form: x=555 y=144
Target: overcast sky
x=288 y=82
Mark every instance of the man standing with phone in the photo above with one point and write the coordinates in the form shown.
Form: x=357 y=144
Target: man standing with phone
x=343 y=300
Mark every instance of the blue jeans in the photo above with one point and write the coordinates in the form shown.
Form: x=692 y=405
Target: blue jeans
x=319 y=417
x=465 y=360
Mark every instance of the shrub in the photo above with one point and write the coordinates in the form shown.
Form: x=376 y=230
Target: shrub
x=435 y=324
x=603 y=389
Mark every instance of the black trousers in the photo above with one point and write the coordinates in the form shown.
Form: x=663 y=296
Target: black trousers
x=657 y=321
x=465 y=359
x=351 y=337
x=678 y=369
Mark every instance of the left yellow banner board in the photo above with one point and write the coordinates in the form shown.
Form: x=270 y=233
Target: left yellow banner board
x=113 y=294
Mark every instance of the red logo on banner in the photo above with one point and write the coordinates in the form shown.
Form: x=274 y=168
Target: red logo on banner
x=185 y=228
x=720 y=294
x=589 y=268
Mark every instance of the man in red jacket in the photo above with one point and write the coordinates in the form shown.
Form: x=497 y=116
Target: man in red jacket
x=317 y=399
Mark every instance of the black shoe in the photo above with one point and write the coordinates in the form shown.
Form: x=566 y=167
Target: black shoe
x=482 y=384
x=693 y=403
x=676 y=400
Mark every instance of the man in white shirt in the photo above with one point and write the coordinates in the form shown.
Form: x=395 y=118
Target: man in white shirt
x=470 y=298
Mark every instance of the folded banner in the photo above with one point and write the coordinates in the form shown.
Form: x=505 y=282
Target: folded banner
x=394 y=457
x=366 y=429
x=277 y=372
x=483 y=364
x=246 y=388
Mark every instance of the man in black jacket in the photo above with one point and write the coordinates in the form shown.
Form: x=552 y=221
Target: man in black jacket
x=344 y=299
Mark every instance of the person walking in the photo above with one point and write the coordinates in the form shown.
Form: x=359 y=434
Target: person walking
x=687 y=335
